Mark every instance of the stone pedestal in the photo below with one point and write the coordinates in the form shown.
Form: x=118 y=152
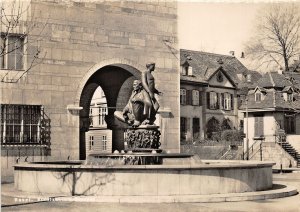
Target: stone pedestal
x=142 y=138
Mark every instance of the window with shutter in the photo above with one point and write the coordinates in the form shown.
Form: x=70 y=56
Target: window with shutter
x=200 y=98
x=258 y=126
x=196 y=128
x=190 y=71
x=182 y=96
x=232 y=102
x=222 y=101
x=182 y=128
x=217 y=101
x=195 y=97
x=289 y=124
x=227 y=101
x=189 y=97
x=213 y=100
x=208 y=100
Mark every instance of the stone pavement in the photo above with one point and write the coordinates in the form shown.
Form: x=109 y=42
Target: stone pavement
x=282 y=204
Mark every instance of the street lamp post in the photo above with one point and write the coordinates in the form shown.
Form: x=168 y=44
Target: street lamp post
x=247 y=130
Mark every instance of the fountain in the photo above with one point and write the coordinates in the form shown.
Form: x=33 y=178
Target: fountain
x=143 y=172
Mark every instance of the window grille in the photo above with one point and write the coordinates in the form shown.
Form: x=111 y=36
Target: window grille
x=24 y=124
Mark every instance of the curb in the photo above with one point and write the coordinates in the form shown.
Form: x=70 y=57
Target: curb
x=284 y=191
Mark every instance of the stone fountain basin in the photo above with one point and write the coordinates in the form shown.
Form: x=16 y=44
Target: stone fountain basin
x=209 y=177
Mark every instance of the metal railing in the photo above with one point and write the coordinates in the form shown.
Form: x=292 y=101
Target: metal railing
x=252 y=150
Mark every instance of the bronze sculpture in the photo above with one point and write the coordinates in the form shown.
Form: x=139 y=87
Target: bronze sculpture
x=142 y=106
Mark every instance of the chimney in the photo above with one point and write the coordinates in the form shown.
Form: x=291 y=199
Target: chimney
x=232 y=53
x=243 y=55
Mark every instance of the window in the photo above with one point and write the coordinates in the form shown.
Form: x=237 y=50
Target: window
x=184 y=128
x=104 y=142
x=220 y=77
x=91 y=143
x=195 y=97
x=184 y=70
x=289 y=97
x=227 y=101
x=182 y=96
x=20 y=124
x=196 y=128
x=190 y=71
x=289 y=124
x=212 y=100
x=257 y=97
x=102 y=113
x=13 y=56
x=258 y=125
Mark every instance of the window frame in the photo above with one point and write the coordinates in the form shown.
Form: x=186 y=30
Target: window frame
x=184 y=70
x=91 y=142
x=227 y=101
x=258 y=96
x=183 y=128
x=290 y=97
x=104 y=142
x=21 y=124
x=290 y=124
x=183 y=96
x=101 y=116
x=4 y=63
x=195 y=102
x=213 y=100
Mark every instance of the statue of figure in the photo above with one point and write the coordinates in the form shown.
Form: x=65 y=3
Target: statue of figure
x=142 y=105
x=148 y=83
x=133 y=113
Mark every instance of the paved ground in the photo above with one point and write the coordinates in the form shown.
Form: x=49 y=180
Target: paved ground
x=284 y=204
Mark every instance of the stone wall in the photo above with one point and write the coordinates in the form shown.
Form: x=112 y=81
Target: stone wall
x=80 y=36
x=272 y=151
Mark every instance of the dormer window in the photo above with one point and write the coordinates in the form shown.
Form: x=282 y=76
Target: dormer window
x=190 y=71
x=290 y=97
x=184 y=70
x=288 y=94
x=258 y=97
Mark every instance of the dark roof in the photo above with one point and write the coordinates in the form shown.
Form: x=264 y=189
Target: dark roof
x=272 y=80
x=206 y=64
x=272 y=99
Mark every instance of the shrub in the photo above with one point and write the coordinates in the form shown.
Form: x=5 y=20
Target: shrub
x=232 y=137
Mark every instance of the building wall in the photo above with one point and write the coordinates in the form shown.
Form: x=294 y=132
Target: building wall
x=190 y=112
x=97 y=146
x=81 y=35
x=219 y=113
x=274 y=152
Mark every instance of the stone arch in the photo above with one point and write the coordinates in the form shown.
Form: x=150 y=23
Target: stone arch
x=111 y=75
x=130 y=66
x=212 y=125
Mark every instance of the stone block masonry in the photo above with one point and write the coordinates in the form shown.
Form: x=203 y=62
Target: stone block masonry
x=80 y=35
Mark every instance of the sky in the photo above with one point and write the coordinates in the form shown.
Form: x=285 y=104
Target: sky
x=216 y=27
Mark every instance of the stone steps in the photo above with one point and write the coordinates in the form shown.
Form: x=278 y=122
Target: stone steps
x=291 y=151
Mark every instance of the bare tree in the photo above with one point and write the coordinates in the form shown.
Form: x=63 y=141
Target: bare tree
x=17 y=56
x=277 y=36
